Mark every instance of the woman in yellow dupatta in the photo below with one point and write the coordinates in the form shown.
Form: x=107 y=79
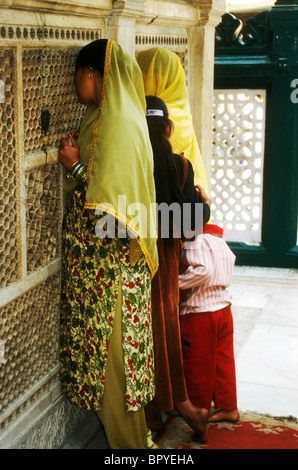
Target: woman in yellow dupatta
x=107 y=360
x=164 y=77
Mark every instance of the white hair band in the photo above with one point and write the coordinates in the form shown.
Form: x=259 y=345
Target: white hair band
x=154 y=112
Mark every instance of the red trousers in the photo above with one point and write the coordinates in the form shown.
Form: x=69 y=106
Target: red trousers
x=208 y=357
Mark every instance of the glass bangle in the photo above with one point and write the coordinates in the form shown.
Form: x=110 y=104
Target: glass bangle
x=76 y=168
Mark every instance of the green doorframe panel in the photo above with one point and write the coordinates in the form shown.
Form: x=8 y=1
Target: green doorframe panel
x=268 y=58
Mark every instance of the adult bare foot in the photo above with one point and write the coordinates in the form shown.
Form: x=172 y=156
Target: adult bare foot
x=231 y=416
x=195 y=417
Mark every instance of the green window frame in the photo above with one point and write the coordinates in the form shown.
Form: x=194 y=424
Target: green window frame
x=268 y=61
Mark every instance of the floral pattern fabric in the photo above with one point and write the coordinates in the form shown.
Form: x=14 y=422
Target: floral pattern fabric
x=92 y=271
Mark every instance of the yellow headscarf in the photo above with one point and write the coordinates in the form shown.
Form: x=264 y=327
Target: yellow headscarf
x=114 y=143
x=164 y=77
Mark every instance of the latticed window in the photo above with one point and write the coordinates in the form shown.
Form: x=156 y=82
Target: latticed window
x=237 y=163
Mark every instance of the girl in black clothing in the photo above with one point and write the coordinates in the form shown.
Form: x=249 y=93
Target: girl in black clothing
x=174 y=183
x=173 y=174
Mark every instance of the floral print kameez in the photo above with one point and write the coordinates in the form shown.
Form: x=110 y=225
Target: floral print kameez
x=92 y=271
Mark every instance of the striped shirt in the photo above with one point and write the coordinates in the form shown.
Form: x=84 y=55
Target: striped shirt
x=209 y=267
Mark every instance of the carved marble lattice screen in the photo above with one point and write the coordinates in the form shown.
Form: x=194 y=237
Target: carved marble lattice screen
x=36 y=73
x=237 y=163
x=48 y=84
x=9 y=261
x=177 y=44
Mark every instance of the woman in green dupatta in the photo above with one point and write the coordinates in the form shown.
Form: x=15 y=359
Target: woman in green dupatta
x=107 y=355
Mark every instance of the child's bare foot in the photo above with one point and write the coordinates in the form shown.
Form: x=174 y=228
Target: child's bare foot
x=195 y=417
x=224 y=415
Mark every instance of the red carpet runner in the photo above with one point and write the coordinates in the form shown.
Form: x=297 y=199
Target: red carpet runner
x=250 y=432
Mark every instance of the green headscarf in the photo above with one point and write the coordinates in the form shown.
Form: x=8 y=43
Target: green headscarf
x=114 y=143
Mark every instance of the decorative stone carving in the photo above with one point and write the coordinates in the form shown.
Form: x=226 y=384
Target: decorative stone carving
x=30 y=332
x=52 y=428
x=10 y=261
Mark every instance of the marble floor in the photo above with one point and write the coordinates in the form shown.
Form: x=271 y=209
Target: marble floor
x=265 y=311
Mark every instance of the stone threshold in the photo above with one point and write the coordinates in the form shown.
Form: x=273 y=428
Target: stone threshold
x=264 y=274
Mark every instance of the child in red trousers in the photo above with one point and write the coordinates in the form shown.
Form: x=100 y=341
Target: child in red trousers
x=207 y=324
